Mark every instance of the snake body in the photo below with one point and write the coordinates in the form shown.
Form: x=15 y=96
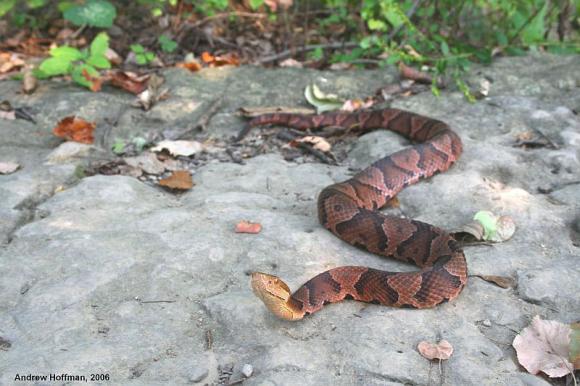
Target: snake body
x=350 y=210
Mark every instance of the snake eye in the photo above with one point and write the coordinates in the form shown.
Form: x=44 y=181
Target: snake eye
x=338 y=208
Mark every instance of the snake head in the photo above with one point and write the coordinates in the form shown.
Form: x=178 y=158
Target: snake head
x=275 y=294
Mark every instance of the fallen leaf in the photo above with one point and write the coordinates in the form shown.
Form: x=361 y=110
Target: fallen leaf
x=192 y=65
x=178 y=180
x=291 y=62
x=75 y=129
x=414 y=74
x=323 y=102
x=8 y=167
x=129 y=81
x=10 y=61
x=95 y=81
x=317 y=143
x=248 y=227
x=152 y=94
x=501 y=281
x=488 y=227
x=441 y=350
x=221 y=60
x=357 y=104
x=147 y=162
x=544 y=346
x=177 y=148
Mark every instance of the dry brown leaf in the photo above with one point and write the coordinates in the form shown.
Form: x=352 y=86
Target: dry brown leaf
x=95 y=81
x=544 y=346
x=501 y=281
x=192 y=65
x=248 y=227
x=318 y=143
x=75 y=129
x=441 y=350
x=221 y=60
x=8 y=167
x=178 y=180
x=9 y=62
x=129 y=81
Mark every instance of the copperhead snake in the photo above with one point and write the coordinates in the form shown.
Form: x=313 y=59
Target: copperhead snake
x=350 y=210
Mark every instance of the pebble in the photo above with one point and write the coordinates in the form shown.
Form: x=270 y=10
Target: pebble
x=486 y=323
x=247 y=370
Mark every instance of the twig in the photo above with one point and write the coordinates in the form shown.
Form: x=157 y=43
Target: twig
x=311 y=47
x=156 y=301
x=208 y=340
x=287 y=136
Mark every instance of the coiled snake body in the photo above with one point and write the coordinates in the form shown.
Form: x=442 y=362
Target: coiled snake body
x=350 y=210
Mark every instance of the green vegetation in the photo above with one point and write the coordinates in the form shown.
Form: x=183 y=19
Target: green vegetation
x=444 y=37
x=82 y=65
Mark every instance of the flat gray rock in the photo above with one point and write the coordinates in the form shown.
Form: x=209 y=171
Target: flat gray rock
x=109 y=275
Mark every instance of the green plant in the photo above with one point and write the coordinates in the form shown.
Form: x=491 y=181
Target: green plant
x=142 y=56
x=94 y=13
x=82 y=65
x=167 y=44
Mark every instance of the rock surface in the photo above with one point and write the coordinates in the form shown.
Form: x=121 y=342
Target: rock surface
x=108 y=275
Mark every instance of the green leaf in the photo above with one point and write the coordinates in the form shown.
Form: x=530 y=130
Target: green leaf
x=66 y=53
x=6 y=6
x=100 y=44
x=377 y=25
x=444 y=48
x=55 y=66
x=99 y=61
x=137 y=48
x=35 y=3
x=141 y=59
x=79 y=77
x=489 y=222
x=534 y=31
x=95 y=13
x=118 y=147
x=149 y=56
x=322 y=102
x=167 y=44
x=255 y=4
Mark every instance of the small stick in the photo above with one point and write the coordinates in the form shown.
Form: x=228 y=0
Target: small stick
x=287 y=136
